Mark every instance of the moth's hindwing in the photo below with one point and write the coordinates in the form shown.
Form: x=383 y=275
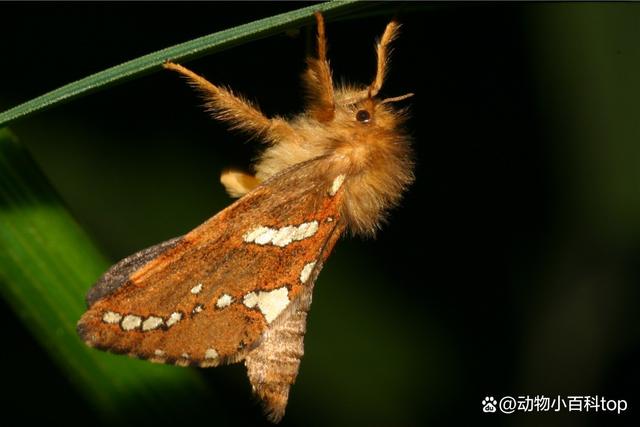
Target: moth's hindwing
x=208 y=297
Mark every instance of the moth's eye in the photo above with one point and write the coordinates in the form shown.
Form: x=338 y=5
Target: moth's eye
x=363 y=116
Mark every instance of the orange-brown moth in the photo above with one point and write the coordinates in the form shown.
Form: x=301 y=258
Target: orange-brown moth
x=238 y=287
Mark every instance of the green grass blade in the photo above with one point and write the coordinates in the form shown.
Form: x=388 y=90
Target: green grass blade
x=47 y=263
x=181 y=52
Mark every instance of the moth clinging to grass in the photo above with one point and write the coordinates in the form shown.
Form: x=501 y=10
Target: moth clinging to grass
x=238 y=287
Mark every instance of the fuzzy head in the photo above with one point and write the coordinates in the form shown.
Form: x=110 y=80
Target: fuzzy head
x=362 y=133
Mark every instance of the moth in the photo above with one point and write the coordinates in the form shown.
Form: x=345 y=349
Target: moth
x=238 y=287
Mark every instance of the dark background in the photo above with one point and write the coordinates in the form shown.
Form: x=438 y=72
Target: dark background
x=511 y=267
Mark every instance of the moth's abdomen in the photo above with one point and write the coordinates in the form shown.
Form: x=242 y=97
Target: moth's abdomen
x=273 y=366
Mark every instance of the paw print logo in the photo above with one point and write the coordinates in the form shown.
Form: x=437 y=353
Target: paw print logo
x=489 y=404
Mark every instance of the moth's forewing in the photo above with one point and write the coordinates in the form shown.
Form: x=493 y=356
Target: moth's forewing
x=118 y=274
x=208 y=297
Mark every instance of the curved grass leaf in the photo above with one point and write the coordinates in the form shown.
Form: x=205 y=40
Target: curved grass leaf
x=181 y=52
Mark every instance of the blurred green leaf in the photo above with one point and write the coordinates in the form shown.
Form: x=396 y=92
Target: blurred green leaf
x=194 y=48
x=46 y=266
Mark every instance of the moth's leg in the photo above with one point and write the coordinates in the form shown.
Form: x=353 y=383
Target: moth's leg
x=238 y=183
x=317 y=79
x=234 y=109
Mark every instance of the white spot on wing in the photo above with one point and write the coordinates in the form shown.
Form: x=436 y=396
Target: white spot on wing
x=337 y=183
x=306 y=271
x=175 y=317
x=250 y=299
x=196 y=289
x=251 y=235
x=266 y=236
x=306 y=230
x=284 y=236
x=224 y=301
x=197 y=309
x=300 y=232
x=211 y=353
x=111 y=317
x=131 y=322
x=281 y=236
x=151 y=322
x=183 y=361
x=270 y=303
